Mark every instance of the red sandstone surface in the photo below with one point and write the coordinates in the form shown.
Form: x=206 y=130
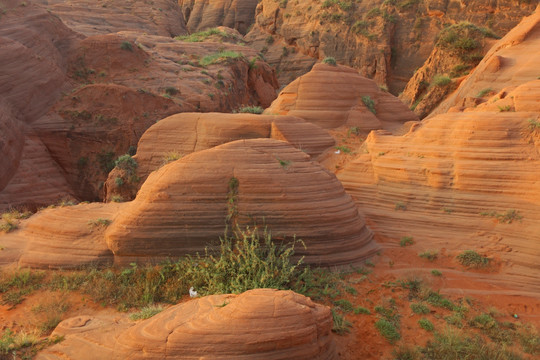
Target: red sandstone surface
x=335 y=160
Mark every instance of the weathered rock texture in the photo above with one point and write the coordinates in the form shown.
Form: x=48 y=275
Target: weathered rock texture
x=459 y=49
x=204 y=14
x=262 y=323
x=384 y=40
x=512 y=61
x=181 y=134
x=156 y=17
x=186 y=204
x=335 y=96
x=71 y=105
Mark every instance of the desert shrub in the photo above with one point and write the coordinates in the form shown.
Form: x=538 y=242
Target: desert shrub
x=329 y=61
x=419 y=308
x=250 y=109
x=472 y=259
x=441 y=80
x=429 y=255
x=146 y=312
x=506 y=217
x=406 y=240
x=341 y=325
x=219 y=57
x=127 y=163
x=126 y=45
x=361 y=310
x=344 y=305
x=436 y=272
x=426 y=324
x=484 y=92
x=368 y=101
x=388 y=330
x=202 y=35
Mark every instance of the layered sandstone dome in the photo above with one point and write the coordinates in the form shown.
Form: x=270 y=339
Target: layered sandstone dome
x=335 y=96
x=185 y=205
x=261 y=323
x=181 y=134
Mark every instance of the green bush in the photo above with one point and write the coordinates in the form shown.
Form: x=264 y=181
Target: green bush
x=250 y=109
x=426 y=324
x=441 y=80
x=219 y=57
x=388 y=330
x=472 y=259
x=406 y=240
x=430 y=255
x=126 y=45
x=419 y=308
x=329 y=61
x=127 y=163
x=368 y=101
x=202 y=35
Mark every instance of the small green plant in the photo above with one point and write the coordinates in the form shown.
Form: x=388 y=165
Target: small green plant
x=126 y=45
x=146 y=312
x=484 y=92
x=118 y=181
x=406 y=240
x=171 y=156
x=203 y=35
x=400 y=206
x=370 y=104
x=344 y=305
x=361 y=310
x=388 y=330
x=341 y=325
x=472 y=259
x=534 y=124
x=284 y=163
x=100 y=222
x=344 y=149
x=219 y=57
x=329 y=61
x=170 y=90
x=505 y=108
x=429 y=255
x=419 y=308
x=426 y=324
x=117 y=198
x=435 y=272
x=507 y=217
x=250 y=109
x=441 y=80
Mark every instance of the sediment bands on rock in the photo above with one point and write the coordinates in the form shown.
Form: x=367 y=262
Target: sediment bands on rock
x=185 y=205
x=181 y=134
x=258 y=324
x=334 y=96
x=446 y=173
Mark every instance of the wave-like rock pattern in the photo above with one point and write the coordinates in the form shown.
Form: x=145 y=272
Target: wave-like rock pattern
x=447 y=171
x=181 y=134
x=67 y=237
x=183 y=206
x=261 y=323
x=331 y=96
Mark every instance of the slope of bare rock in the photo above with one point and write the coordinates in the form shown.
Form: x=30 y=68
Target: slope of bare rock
x=472 y=174
x=87 y=130
x=186 y=204
x=11 y=144
x=267 y=323
x=384 y=40
x=335 y=96
x=512 y=61
x=184 y=133
x=203 y=14
x=459 y=48
x=158 y=17
x=37 y=181
x=34 y=45
x=67 y=237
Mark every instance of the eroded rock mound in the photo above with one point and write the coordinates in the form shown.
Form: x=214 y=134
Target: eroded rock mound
x=334 y=96
x=186 y=204
x=472 y=174
x=261 y=323
x=204 y=14
x=181 y=134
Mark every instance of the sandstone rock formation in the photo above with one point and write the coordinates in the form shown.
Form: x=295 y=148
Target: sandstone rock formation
x=159 y=17
x=187 y=203
x=203 y=14
x=73 y=104
x=335 y=96
x=458 y=50
x=384 y=40
x=261 y=323
x=181 y=134
x=512 y=61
